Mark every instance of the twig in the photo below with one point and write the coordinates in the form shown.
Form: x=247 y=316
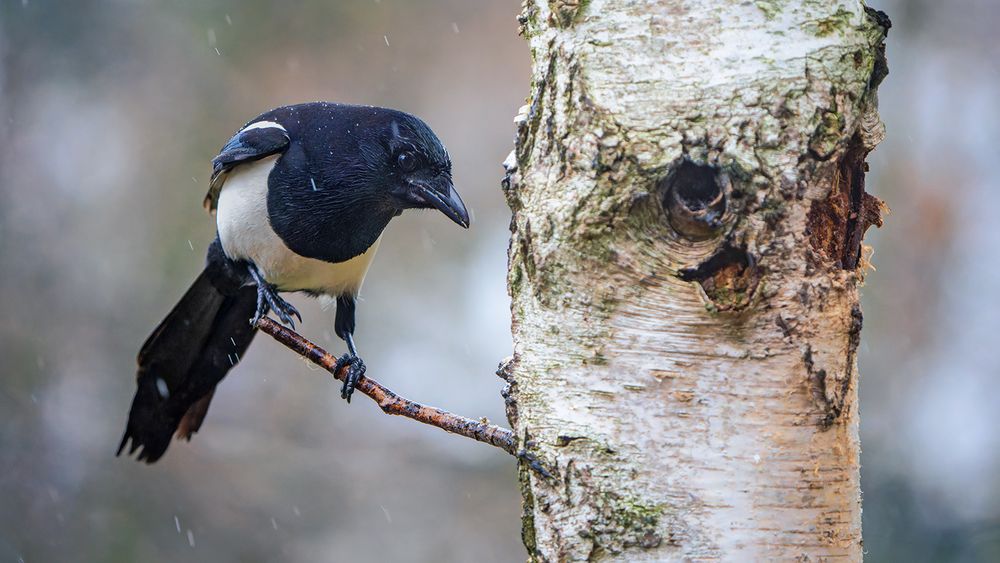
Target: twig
x=391 y=403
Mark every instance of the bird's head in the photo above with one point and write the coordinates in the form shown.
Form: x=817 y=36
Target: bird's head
x=416 y=168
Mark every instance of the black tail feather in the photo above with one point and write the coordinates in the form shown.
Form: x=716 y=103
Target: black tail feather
x=180 y=364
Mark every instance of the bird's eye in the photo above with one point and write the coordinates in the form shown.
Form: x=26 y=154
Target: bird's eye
x=407 y=161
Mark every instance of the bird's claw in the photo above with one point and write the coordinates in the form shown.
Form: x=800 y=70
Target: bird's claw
x=269 y=300
x=355 y=371
x=283 y=309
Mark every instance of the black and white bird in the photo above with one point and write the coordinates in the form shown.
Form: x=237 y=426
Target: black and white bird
x=301 y=195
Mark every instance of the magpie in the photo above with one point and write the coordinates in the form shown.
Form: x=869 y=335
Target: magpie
x=301 y=195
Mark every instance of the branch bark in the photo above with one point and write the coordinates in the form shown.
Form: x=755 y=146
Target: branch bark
x=688 y=197
x=389 y=402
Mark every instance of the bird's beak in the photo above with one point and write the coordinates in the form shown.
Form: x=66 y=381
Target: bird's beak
x=446 y=201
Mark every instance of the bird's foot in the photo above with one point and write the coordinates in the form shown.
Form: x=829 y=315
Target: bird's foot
x=269 y=300
x=355 y=371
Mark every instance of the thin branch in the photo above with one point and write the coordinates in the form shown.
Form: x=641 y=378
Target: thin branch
x=389 y=402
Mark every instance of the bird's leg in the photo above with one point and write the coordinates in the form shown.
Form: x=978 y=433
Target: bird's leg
x=268 y=299
x=355 y=368
x=344 y=326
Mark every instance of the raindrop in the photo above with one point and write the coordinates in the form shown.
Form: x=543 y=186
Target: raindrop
x=190 y=535
x=386 y=37
x=161 y=387
x=229 y=20
x=313 y=182
x=454 y=27
x=191 y=246
x=427 y=240
x=177 y=523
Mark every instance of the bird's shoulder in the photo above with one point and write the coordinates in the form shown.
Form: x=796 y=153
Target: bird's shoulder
x=258 y=139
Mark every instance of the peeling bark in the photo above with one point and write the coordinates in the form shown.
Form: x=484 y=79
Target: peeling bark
x=688 y=205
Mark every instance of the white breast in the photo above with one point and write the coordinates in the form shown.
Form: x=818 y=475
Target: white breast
x=246 y=234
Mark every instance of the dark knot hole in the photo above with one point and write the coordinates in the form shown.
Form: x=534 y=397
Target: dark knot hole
x=694 y=199
x=695 y=186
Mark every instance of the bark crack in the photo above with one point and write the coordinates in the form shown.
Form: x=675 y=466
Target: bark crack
x=837 y=224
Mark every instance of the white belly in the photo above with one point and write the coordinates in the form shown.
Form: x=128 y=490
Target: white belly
x=246 y=234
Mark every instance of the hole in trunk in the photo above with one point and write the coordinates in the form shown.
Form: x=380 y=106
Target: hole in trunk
x=694 y=197
x=729 y=278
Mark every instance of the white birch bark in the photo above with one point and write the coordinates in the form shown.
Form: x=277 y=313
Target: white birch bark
x=691 y=407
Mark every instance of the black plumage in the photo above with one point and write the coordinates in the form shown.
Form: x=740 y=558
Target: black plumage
x=311 y=188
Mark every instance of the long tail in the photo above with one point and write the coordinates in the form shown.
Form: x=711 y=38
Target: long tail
x=180 y=364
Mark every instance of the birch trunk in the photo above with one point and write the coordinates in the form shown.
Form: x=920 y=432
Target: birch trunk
x=688 y=198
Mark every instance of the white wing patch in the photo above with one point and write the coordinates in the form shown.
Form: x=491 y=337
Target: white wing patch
x=262 y=125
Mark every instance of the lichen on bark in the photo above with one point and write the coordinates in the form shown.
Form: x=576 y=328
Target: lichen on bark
x=693 y=391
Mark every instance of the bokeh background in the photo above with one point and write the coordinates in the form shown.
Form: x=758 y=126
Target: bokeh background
x=109 y=114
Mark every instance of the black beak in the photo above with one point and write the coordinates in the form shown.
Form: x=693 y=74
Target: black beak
x=448 y=202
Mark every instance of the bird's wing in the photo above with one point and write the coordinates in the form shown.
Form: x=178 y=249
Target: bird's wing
x=253 y=142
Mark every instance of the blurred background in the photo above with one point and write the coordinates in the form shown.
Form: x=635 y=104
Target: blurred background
x=109 y=114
